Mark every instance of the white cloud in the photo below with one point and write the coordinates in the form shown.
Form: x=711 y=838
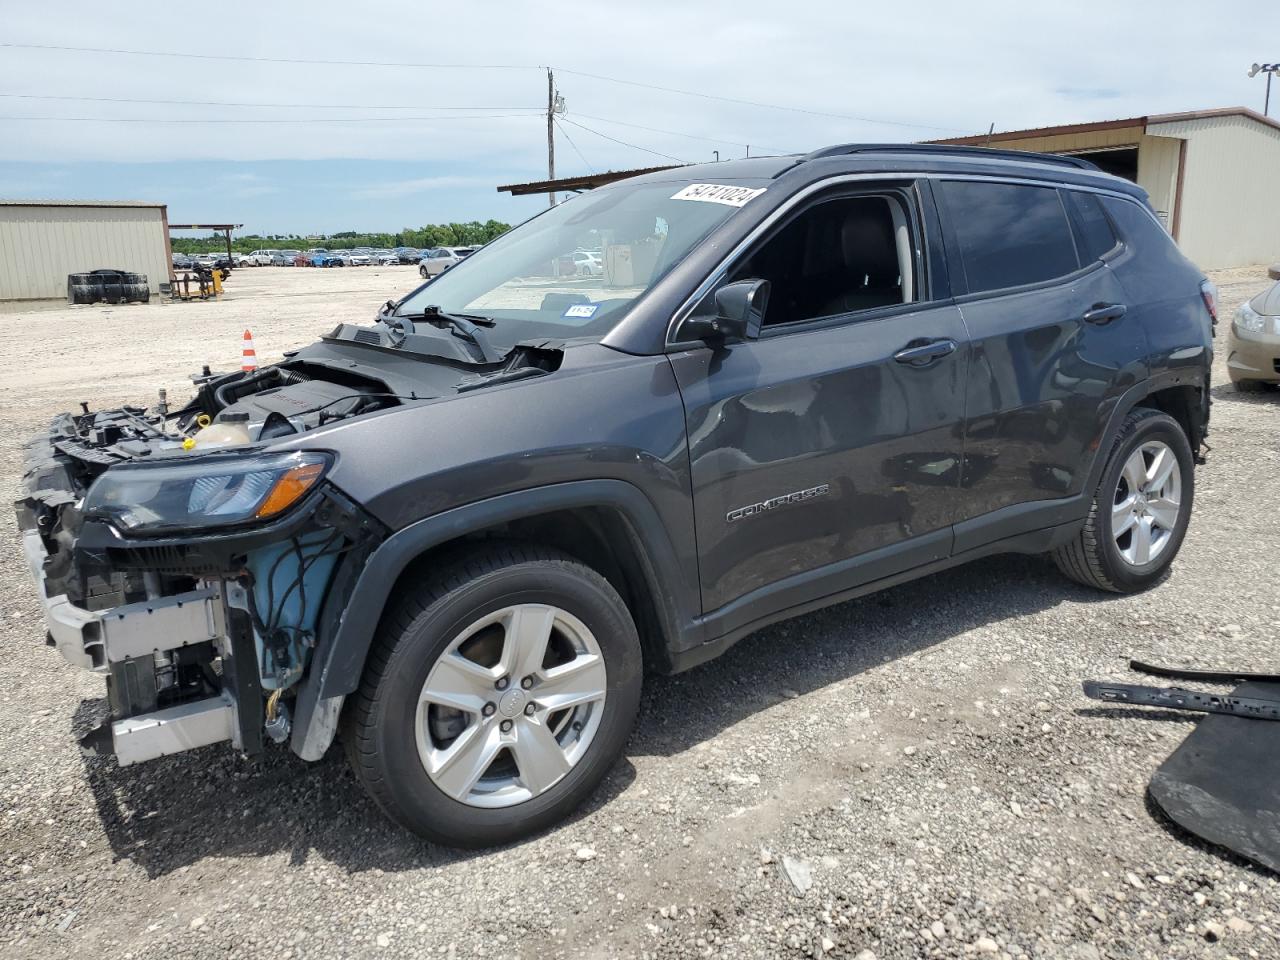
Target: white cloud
x=938 y=67
x=953 y=66
x=405 y=188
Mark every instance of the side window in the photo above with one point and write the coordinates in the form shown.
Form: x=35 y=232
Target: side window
x=1009 y=234
x=1094 y=235
x=837 y=257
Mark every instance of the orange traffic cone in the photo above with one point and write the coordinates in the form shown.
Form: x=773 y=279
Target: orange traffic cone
x=249 y=359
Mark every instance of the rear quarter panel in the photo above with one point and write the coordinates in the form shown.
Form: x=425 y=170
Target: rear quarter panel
x=1163 y=290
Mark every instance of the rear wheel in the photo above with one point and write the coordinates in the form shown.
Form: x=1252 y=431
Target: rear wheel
x=497 y=696
x=1140 y=510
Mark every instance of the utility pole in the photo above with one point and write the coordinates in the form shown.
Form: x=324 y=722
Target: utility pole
x=551 y=131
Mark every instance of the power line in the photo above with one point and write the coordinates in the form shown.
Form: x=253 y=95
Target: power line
x=677 y=133
x=482 y=116
x=224 y=103
x=295 y=60
x=565 y=133
x=756 y=103
x=633 y=146
x=480 y=66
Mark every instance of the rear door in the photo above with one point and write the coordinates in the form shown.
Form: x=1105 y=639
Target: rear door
x=1052 y=348
x=826 y=452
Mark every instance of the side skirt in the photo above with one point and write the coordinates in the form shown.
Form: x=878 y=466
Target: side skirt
x=723 y=637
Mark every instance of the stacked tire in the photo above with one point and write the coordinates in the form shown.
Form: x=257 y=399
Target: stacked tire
x=108 y=286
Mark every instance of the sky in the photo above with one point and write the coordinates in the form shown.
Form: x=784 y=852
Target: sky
x=446 y=101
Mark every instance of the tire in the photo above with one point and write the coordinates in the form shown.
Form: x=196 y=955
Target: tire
x=390 y=739
x=1097 y=557
x=422 y=271
x=82 y=293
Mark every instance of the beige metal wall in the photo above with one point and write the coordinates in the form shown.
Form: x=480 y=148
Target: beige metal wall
x=1158 y=174
x=1230 y=190
x=40 y=245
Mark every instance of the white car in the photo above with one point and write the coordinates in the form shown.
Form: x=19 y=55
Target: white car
x=258 y=258
x=359 y=259
x=437 y=261
x=588 y=264
x=387 y=258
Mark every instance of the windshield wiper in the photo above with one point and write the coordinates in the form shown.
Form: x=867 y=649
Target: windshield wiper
x=464 y=325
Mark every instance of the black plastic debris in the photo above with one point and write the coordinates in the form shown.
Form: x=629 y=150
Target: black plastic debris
x=1222 y=784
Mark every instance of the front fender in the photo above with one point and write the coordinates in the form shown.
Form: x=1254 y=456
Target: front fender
x=338 y=660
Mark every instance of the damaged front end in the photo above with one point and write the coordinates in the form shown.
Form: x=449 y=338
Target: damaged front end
x=194 y=568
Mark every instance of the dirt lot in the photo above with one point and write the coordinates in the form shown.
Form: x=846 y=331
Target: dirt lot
x=924 y=752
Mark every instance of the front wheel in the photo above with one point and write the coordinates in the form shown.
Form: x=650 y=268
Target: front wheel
x=1140 y=510
x=496 y=697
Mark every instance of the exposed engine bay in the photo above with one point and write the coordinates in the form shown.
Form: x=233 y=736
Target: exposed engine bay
x=194 y=566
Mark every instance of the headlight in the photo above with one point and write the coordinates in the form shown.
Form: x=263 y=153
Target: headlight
x=1249 y=319
x=152 y=498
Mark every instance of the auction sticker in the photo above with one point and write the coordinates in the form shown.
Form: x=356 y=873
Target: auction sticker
x=581 y=311
x=719 y=193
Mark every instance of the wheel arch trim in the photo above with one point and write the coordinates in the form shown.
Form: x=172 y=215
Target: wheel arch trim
x=1195 y=377
x=338 y=664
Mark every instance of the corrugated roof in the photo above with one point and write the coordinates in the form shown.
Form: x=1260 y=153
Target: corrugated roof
x=78 y=203
x=1031 y=133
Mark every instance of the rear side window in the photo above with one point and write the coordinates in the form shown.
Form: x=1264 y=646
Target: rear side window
x=1009 y=234
x=1093 y=230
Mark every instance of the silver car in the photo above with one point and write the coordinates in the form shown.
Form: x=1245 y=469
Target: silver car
x=437 y=261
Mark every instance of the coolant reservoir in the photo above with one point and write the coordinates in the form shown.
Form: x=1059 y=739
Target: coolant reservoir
x=230 y=431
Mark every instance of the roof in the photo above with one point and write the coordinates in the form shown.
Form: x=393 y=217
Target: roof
x=79 y=203
x=1096 y=126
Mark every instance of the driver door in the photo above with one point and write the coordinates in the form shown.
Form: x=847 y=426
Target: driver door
x=827 y=452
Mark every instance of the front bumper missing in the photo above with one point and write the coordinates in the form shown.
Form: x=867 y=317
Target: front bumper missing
x=92 y=639
x=97 y=639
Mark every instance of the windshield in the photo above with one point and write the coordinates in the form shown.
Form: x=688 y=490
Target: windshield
x=534 y=281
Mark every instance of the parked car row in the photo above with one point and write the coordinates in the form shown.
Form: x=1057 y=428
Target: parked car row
x=434 y=260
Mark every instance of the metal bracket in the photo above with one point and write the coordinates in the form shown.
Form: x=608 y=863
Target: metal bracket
x=165 y=623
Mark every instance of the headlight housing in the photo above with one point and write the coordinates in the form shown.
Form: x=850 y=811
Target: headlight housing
x=1249 y=320
x=203 y=493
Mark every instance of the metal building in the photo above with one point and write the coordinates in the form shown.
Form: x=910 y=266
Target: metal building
x=41 y=241
x=1213 y=175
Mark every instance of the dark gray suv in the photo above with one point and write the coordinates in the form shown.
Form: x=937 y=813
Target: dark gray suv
x=461 y=534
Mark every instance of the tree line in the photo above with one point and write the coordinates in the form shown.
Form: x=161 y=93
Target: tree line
x=432 y=235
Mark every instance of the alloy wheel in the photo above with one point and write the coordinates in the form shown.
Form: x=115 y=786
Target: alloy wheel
x=1147 y=504
x=511 y=706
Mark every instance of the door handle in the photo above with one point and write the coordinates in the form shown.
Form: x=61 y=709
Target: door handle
x=1104 y=313
x=919 y=353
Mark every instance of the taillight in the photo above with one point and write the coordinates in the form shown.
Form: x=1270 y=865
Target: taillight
x=1209 y=294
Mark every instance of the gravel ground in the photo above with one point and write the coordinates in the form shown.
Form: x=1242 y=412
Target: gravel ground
x=921 y=760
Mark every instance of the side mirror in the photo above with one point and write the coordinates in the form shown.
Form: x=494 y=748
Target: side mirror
x=1274 y=271
x=740 y=308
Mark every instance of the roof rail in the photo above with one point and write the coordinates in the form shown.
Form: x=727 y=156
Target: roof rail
x=942 y=149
